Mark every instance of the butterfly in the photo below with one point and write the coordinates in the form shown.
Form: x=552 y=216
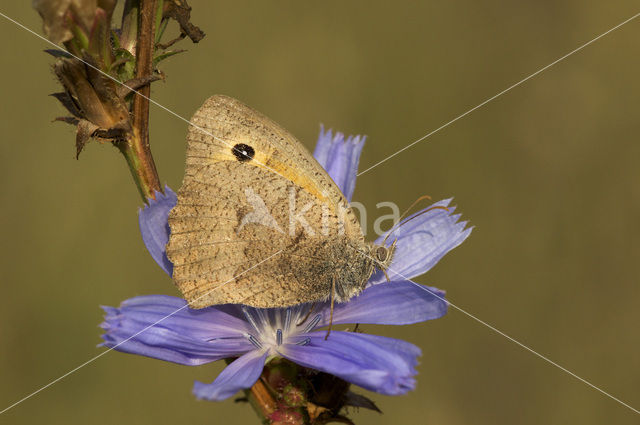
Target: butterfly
x=258 y=221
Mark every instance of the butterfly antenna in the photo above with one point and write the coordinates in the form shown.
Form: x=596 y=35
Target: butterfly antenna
x=333 y=297
x=400 y=222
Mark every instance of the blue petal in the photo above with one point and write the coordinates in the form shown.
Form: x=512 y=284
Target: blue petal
x=340 y=157
x=393 y=303
x=422 y=242
x=161 y=327
x=207 y=323
x=376 y=363
x=154 y=226
x=241 y=374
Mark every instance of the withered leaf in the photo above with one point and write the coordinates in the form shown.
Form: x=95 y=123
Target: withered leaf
x=358 y=400
x=93 y=93
x=136 y=83
x=68 y=102
x=181 y=12
x=68 y=120
x=58 y=53
x=84 y=133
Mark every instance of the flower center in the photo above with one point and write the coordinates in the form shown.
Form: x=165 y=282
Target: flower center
x=276 y=326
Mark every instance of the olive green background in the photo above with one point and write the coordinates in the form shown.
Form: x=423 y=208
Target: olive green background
x=547 y=174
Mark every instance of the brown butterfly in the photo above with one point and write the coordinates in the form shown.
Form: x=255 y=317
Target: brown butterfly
x=259 y=221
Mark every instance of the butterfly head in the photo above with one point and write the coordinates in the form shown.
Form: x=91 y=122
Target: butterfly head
x=382 y=256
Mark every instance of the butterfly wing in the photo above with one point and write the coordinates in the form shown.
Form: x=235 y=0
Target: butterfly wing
x=258 y=221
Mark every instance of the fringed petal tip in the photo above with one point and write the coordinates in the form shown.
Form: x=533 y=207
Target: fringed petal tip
x=328 y=138
x=154 y=226
x=422 y=240
x=340 y=156
x=109 y=311
x=159 y=197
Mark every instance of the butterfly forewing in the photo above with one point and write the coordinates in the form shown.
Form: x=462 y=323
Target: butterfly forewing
x=258 y=221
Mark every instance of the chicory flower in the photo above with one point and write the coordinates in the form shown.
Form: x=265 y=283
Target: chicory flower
x=163 y=327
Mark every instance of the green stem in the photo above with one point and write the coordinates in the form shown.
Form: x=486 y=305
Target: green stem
x=145 y=183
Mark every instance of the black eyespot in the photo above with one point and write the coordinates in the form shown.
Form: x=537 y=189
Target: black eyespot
x=243 y=152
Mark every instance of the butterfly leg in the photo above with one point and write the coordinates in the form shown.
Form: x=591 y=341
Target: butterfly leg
x=333 y=297
x=392 y=248
x=385 y=274
x=306 y=316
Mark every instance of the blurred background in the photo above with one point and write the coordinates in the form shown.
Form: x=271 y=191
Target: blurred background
x=548 y=175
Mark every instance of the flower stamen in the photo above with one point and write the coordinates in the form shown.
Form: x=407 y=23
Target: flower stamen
x=255 y=341
x=250 y=318
x=287 y=320
x=312 y=324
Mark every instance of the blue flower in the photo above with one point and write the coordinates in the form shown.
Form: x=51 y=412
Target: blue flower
x=163 y=327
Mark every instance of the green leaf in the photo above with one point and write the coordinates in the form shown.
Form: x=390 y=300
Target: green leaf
x=80 y=38
x=160 y=25
x=165 y=55
x=161 y=29
x=124 y=64
x=124 y=54
x=116 y=40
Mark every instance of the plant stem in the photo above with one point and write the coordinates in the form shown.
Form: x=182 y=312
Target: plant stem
x=137 y=150
x=261 y=400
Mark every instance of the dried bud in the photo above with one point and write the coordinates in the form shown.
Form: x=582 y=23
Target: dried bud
x=93 y=100
x=293 y=396
x=59 y=15
x=286 y=416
